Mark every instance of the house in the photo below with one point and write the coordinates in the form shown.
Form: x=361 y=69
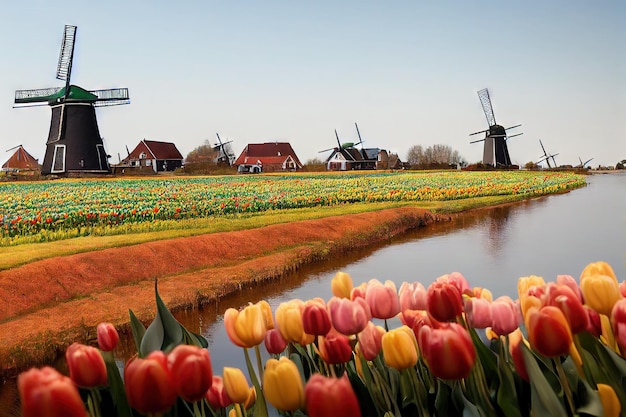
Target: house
x=155 y=155
x=347 y=159
x=268 y=157
x=21 y=161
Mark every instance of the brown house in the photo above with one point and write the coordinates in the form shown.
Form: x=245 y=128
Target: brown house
x=268 y=157
x=155 y=155
x=21 y=161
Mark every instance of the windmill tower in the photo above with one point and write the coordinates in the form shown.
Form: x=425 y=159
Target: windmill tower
x=495 y=151
x=74 y=143
x=225 y=154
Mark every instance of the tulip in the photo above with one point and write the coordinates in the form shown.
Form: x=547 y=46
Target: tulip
x=416 y=318
x=349 y=316
x=358 y=292
x=479 y=292
x=412 y=296
x=458 y=280
x=315 y=318
x=282 y=384
x=548 y=331
x=148 y=384
x=504 y=314
x=570 y=304
x=341 y=285
x=527 y=302
x=478 y=312
x=251 y=399
x=266 y=311
x=597 y=268
x=216 y=395
x=46 y=393
x=107 y=337
x=622 y=288
x=275 y=343
x=371 y=341
x=610 y=402
x=601 y=292
x=289 y=322
x=594 y=325
x=191 y=371
x=329 y=396
x=444 y=301
x=570 y=282
x=399 y=348
x=86 y=365
x=382 y=299
x=515 y=349
x=618 y=323
x=524 y=284
x=246 y=328
x=335 y=348
x=448 y=351
x=236 y=385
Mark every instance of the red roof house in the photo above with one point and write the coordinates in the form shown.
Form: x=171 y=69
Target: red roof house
x=268 y=157
x=21 y=161
x=158 y=156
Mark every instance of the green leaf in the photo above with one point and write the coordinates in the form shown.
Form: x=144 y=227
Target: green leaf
x=138 y=331
x=486 y=356
x=368 y=406
x=468 y=406
x=544 y=400
x=114 y=379
x=260 y=406
x=506 y=395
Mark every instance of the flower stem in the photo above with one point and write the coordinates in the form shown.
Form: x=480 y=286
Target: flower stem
x=564 y=383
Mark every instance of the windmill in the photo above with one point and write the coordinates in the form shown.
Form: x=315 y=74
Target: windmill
x=74 y=143
x=495 y=151
x=583 y=164
x=345 y=145
x=344 y=156
x=547 y=157
x=225 y=153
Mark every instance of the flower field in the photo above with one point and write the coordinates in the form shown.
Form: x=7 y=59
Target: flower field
x=86 y=207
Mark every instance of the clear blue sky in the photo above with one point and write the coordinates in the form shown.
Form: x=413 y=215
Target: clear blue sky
x=406 y=71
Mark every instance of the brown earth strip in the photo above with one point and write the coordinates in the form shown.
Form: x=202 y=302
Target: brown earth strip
x=48 y=304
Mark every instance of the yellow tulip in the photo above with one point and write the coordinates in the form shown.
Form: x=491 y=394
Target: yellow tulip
x=601 y=292
x=400 y=348
x=597 y=268
x=610 y=402
x=282 y=384
x=289 y=322
x=524 y=283
x=236 y=385
x=341 y=285
x=268 y=317
x=246 y=328
x=527 y=302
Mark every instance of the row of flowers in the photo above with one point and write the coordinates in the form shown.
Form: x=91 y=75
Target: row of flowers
x=558 y=349
x=32 y=208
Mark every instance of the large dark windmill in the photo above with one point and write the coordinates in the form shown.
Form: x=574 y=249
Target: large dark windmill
x=547 y=157
x=495 y=151
x=74 y=143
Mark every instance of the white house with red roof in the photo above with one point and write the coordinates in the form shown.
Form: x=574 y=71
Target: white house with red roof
x=268 y=157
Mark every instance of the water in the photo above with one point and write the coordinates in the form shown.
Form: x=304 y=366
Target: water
x=492 y=248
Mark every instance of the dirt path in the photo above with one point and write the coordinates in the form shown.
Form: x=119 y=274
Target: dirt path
x=48 y=304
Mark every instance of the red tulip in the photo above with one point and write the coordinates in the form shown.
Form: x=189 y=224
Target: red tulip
x=444 y=301
x=570 y=281
x=315 y=318
x=594 y=325
x=107 y=337
x=548 y=331
x=335 y=348
x=348 y=317
x=191 y=371
x=448 y=351
x=504 y=316
x=328 y=396
x=370 y=341
x=46 y=393
x=216 y=395
x=412 y=296
x=382 y=299
x=618 y=322
x=413 y=318
x=86 y=365
x=515 y=349
x=478 y=312
x=570 y=304
x=148 y=383
x=275 y=343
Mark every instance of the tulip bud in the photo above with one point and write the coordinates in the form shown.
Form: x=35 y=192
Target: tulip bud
x=45 y=392
x=282 y=384
x=448 y=351
x=86 y=365
x=216 y=395
x=548 y=331
x=382 y=299
x=315 y=318
x=515 y=349
x=359 y=291
x=348 y=317
x=341 y=285
x=335 y=348
x=148 y=384
x=399 y=348
x=505 y=316
x=597 y=268
x=191 y=371
x=595 y=323
x=236 y=385
x=412 y=296
x=569 y=303
x=371 y=341
x=570 y=282
x=328 y=396
x=524 y=284
x=275 y=343
x=107 y=337
x=444 y=301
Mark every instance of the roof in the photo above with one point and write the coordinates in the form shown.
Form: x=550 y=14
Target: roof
x=157 y=149
x=267 y=153
x=21 y=160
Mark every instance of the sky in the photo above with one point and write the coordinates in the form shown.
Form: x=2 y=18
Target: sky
x=407 y=72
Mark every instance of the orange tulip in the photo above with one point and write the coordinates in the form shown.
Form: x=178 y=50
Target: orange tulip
x=107 y=337
x=570 y=304
x=399 y=348
x=148 y=384
x=86 y=365
x=448 y=351
x=548 y=331
x=46 y=393
x=191 y=371
x=236 y=385
x=328 y=396
x=282 y=384
x=341 y=285
x=246 y=328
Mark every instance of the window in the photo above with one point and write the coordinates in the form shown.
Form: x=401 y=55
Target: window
x=58 y=160
x=142 y=155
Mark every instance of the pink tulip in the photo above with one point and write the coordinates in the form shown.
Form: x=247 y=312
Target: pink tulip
x=329 y=396
x=504 y=316
x=349 y=317
x=358 y=292
x=478 y=313
x=458 y=280
x=107 y=337
x=448 y=351
x=382 y=299
x=412 y=296
x=618 y=323
x=335 y=348
x=315 y=318
x=216 y=395
x=444 y=301
x=570 y=282
x=370 y=341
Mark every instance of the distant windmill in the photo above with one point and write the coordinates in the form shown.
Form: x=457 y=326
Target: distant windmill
x=345 y=145
x=225 y=153
x=74 y=142
x=495 y=151
x=547 y=157
x=583 y=164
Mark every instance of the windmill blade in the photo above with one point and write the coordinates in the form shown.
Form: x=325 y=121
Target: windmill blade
x=218 y=138
x=337 y=136
x=485 y=101
x=512 y=136
x=476 y=133
x=358 y=133
x=479 y=140
x=64 y=68
x=15 y=147
x=587 y=161
x=512 y=127
x=111 y=97
x=39 y=95
x=542 y=148
x=326 y=150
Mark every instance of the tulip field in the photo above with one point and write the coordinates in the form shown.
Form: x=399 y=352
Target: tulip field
x=98 y=206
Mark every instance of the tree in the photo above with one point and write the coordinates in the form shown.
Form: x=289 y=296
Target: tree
x=314 y=164
x=415 y=155
x=203 y=153
x=434 y=156
x=621 y=164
